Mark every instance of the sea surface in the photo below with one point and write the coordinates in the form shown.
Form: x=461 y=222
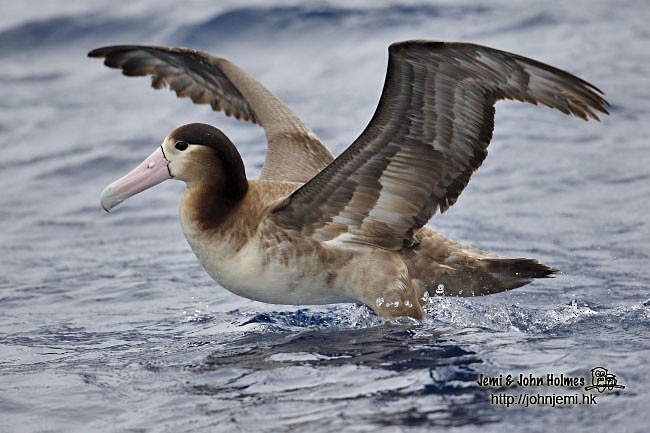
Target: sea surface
x=109 y=324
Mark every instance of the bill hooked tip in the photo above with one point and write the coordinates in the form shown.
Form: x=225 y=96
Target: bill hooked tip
x=108 y=199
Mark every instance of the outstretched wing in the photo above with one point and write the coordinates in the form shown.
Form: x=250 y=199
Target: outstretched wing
x=428 y=135
x=294 y=152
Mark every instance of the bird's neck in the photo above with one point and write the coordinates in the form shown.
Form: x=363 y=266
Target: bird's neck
x=211 y=204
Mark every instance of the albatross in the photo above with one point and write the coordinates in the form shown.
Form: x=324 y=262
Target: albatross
x=314 y=229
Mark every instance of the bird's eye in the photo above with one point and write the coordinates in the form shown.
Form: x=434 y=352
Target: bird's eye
x=181 y=145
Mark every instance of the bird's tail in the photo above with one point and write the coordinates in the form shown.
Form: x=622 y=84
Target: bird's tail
x=512 y=273
x=443 y=267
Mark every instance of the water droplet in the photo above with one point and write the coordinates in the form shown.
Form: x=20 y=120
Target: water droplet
x=440 y=290
x=408 y=304
x=393 y=304
x=379 y=302
x=426 y=296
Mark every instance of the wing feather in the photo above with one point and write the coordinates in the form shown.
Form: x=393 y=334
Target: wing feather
x=294 y=152
x=430 y=132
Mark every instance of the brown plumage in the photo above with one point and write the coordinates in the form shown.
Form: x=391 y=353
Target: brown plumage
x=429 y=134
x=317 y=230
x=206 y=79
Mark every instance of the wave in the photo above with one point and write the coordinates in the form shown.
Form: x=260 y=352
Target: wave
x=277 y=21
x=56 y=32
x=245 y=23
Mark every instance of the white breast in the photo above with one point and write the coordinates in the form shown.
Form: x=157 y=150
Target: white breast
x=267 y=270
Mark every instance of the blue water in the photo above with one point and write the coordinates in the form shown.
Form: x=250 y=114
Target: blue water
x=108 y=323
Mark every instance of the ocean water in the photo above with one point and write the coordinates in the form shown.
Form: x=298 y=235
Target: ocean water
x=109 y=324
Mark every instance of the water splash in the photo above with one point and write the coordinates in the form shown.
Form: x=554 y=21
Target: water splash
x=465 y=313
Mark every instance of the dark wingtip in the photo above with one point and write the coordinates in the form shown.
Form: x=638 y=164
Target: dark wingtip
x=99 y=52
x=109 y=49
x=416 y=43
